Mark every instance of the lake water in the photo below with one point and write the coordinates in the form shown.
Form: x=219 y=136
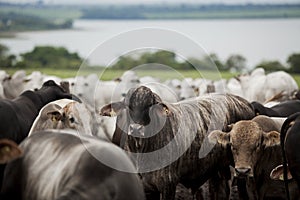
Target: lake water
x=256 y=40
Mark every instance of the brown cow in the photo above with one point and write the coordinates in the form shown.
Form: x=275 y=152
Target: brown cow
x=256 y=151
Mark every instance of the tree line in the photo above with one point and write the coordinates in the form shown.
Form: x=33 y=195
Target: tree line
x=60 y=57
x=40 y=57
x=190 y=11
x=13 y=21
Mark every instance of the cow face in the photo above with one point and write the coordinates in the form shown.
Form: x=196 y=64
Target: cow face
x=72 y=116
x=139 y=102
x=143 y=109
x=247 y=141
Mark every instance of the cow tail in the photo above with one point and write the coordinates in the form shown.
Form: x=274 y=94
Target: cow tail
x=283 y=132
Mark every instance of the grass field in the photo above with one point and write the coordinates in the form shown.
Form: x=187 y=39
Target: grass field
x=109 y=74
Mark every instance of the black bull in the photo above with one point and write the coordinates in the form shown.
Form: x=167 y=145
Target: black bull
x=146 y=124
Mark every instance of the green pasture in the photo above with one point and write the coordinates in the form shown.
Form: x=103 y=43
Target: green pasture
x=109 y=74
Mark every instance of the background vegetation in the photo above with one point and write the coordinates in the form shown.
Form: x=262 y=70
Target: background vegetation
x=39 y=16
x=60 y=58
x=190 y=11
x=59 y=61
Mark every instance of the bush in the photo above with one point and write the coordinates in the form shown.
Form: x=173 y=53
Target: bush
x=50 y=57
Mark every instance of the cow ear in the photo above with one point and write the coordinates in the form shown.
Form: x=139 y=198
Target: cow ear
x=271 y=139
x=55 y=116
x=219 y=137
x=65 y=85
x=277 y=173
x=229 y=127
x=9 y=151
x=26 y=80
x=113 y=109
x=50 y=108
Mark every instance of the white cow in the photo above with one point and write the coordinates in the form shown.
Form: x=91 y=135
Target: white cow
x=3 y=76
x=14 y=85
x=174 y=85
x=130 y=80
x=84 y=87
x=260 y=87
x=67 y=114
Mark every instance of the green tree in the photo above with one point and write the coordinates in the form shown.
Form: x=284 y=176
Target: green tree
x=6 y=60
x=236 y=63
x=167 y=58
x=294 y=62
x=213 y=58
x=125 y=63
x=3 y=50
x=51 y=57
x=271 y=66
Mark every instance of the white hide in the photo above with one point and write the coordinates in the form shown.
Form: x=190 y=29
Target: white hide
x=260 y=87
x=82 y=119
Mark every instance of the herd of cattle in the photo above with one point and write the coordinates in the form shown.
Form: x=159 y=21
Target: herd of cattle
x=141 y=138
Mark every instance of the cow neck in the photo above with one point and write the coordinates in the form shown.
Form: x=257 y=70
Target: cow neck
x=46 y=96
x=34 y=97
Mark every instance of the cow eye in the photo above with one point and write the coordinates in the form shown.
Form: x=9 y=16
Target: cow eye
x=86 y=84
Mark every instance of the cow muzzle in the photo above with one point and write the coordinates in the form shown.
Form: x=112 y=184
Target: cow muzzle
x=243 y=172
x=136 y=130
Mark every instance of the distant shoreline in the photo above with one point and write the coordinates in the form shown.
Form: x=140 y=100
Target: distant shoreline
x=16 y=18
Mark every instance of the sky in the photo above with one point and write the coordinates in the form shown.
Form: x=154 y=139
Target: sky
x=152 y=1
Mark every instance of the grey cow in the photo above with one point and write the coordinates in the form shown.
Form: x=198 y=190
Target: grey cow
x=61 y=165
x=146 y=124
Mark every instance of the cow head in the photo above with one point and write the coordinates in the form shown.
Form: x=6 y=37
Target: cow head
x=64 y=114
x=74 y=115
x=50 y=91
x=144 y=108
x=247 y=141
x=9 y=151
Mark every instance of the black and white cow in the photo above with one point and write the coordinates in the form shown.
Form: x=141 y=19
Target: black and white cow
x=62 y=165
x=146 y=124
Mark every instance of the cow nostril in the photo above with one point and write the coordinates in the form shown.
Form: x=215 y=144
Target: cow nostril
x=182 y=98
x=242 y=171
x=123 y=94
x=36 y=89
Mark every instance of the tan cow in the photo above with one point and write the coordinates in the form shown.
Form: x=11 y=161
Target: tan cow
x=255 y=146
